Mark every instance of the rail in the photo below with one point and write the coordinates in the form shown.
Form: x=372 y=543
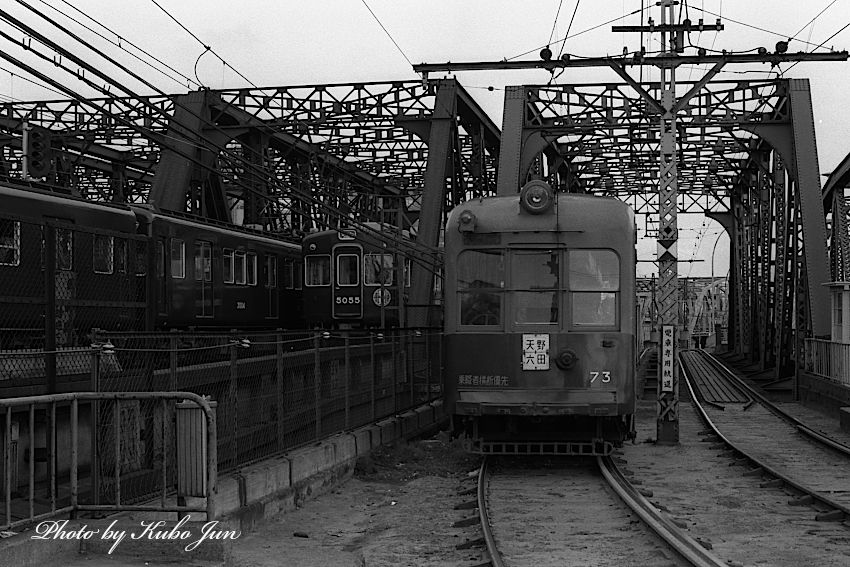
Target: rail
x=828 y=359
x=53 y=407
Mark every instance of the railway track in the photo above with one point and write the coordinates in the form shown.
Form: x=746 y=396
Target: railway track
x=576 y=512
x=772 y=444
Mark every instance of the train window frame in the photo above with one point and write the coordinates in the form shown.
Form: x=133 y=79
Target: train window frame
x=251 y=268
x=160 y=258
x=178 y=261
x=103 y=254
x=240 y=266
x=471 y=295
x=339 y=271
x=288 y=273
x=227 y=265
x=271 y=271
x=611 y=303
x=64 y=243
x=370 y=275
x=10 y=243
x=527 y=289
x=203 y=261
x=120 y=255
x=308 y=282
x=140 y=249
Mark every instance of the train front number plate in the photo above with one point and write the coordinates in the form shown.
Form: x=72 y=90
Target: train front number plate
x=535 y=352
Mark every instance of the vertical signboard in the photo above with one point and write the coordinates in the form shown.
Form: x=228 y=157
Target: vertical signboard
x=667 y=343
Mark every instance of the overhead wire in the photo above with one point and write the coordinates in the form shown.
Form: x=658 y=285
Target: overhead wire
x=160 y=65
x=397 y=46
x=206 y=47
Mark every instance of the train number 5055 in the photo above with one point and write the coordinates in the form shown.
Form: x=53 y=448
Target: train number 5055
x=347 y=300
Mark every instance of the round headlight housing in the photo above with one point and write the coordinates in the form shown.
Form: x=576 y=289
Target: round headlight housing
x=536 y=197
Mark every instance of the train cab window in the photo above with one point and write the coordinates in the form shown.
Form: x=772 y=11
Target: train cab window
x=480 y=284
x=10 y=242
x=102 y=254
x=251 y=269
x=378 y=269
x=298 y=272
x=594 y=280
x=534 y=281
x=239 y=264
x=347 y=270
x=317 y=271
x=271 y=271
x=178 y=259
x=227 y=265
x=203 y=261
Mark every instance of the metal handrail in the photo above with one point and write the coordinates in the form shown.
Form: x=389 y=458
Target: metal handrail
x=73 y=398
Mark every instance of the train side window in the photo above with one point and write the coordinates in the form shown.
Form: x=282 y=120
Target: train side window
x=64 y=249
x=102 y=254
x=317 y=270
x=239 y=267
x=227 y=265
x=298 y=272
x=378 y=269
x=10 y=242
x=178 y=259
x=534 y=281
x=251 y=271
x=160 y=258
x=480 y=283
x=121 y=255
x=271 y=271
x=288 y=274
x=594 y=280
x=141 y=257
x=203 y=261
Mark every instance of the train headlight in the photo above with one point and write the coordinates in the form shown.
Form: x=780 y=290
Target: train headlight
x=536 y=197
x=466 y=221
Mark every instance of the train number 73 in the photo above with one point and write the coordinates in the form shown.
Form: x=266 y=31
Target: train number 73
x=604 y=375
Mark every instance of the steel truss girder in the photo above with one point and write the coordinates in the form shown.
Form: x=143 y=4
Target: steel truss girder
x=743 y=147
x=293 y=147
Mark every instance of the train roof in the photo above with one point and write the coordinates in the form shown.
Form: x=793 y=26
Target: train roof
x=24 y=202
x=571 y=212
x=197 y=223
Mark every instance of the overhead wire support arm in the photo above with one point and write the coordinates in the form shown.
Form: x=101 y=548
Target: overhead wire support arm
x=665 y=60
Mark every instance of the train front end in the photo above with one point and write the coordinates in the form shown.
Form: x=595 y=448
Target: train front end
x=539 y=323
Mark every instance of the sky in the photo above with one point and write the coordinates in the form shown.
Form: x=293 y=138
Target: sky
x=288 y=42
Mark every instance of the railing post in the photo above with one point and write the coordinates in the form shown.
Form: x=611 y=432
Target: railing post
x=232 y=403
x=394 y=354
x=74 y=457
x=317 y=386
x=372 y=374
x=212 y=465
x=428 y=366
x=280 y=392
x=7 y=464
x=95 y=424
x=347 y=380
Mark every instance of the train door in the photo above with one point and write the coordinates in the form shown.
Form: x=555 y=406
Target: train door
x=203 y=279
x=347 y=287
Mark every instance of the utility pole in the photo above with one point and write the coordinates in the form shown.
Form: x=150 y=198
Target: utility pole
x=665 y=110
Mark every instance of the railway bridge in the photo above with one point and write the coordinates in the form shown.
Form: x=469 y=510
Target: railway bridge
x=294 y=159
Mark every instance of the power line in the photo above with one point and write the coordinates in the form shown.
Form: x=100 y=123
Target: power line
x=206 y=47
x=555 y=23
x=119 y=44
x=388 y=33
